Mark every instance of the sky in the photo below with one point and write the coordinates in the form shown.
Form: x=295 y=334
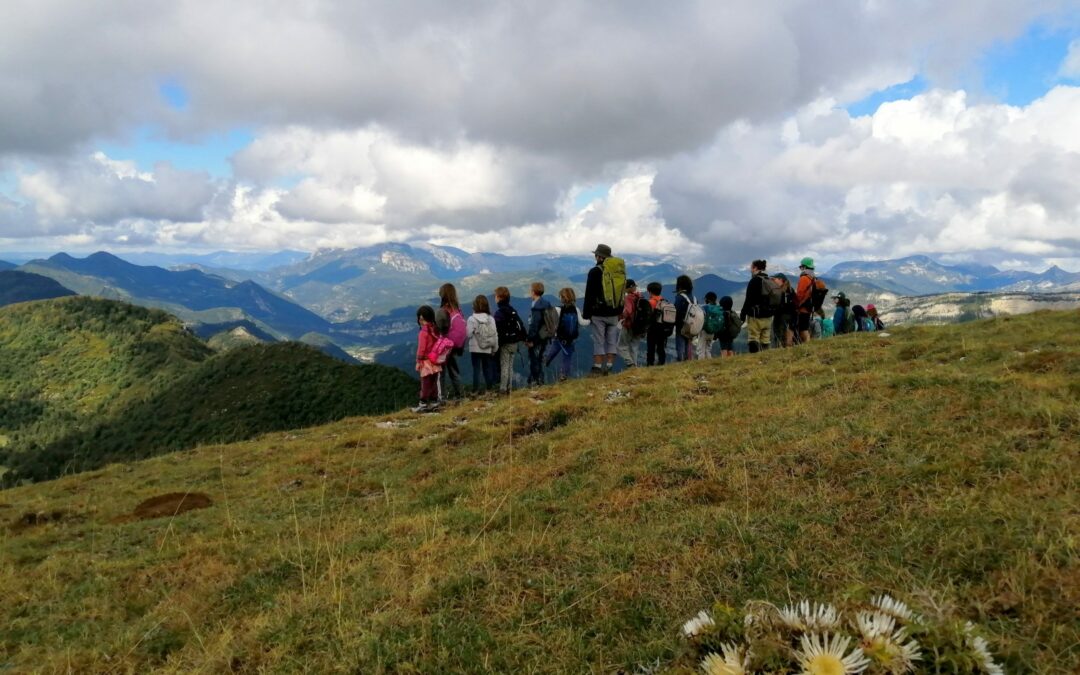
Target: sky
x=716 y=132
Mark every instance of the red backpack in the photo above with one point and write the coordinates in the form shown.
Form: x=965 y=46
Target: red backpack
x=456 y=333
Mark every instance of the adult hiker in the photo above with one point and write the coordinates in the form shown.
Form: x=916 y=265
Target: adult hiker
x=450 y=322
x=604 y=289
x=762 y=302
x=805 y=300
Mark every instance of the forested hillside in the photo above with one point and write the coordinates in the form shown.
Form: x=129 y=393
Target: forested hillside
x=73 y=361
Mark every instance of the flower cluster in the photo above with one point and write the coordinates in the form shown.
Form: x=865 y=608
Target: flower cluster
x=881 y=636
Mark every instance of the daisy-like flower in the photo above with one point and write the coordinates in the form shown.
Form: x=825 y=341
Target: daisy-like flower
x=701 y=623
x=893 y=608
x=890 y=649
x=828 y=655
x=734 y=661
x=983 y=656
x=810 y=617
x=873 y=624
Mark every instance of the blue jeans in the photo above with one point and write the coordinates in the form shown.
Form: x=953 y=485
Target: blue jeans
x=567 y=361
x=683 y=350
x=485 y=371
x=536 y=361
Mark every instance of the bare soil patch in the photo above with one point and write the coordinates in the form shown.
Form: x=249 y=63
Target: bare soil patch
x=171 y=504
x=35 y=518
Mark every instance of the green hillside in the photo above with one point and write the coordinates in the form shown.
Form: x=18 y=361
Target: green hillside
x=575 y=528
x=68 y=362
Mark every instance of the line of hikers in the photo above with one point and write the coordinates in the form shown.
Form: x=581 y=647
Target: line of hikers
x=619 y=318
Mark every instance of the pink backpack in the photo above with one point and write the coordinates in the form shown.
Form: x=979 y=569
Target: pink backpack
x=440 y=350
x=457 y=329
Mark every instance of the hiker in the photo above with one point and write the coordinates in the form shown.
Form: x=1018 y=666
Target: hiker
x=511 y=331
x=603 y=304
x=634 y=320
x=785 y=319
x=809 y=295
x=843 y=321
x=871 y=312
x=565 y=334
x=714 y=323
x=863 y=323
x=483 y=339
x=732 y=327
x=429 y=371
x=759 y=307
x=684 y=286
x=541 y=331
x=450 y=322
x=661 y=328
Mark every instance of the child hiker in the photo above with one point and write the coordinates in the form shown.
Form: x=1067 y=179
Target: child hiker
x=714 y=321
x=429 y=372
x=567 y=333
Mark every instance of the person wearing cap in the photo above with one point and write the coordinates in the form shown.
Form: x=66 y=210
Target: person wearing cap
x=871 y=312
x=628 y=342
x=784 y=320
x=756 y=311
x=603 y=318
x=804 y=299
x=841 y=324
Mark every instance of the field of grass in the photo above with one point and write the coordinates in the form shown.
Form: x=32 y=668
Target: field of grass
x=574 y=528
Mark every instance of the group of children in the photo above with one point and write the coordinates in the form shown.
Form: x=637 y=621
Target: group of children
x=493 y=339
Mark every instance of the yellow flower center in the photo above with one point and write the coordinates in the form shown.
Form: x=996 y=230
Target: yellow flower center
x=825 y=664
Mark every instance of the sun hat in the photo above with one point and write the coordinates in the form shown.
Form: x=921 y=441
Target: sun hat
x=808 y=263
x=603 y=249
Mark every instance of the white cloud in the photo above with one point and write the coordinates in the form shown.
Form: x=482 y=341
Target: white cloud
x=1070 y=67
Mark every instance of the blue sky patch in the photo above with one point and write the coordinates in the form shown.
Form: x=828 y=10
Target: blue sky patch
x=1025 y=69
x=209 y=153
x=591 y=193
x=897 y=92
x=174 y=94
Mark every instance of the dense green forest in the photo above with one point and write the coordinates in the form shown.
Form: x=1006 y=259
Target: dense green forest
x=84 y=382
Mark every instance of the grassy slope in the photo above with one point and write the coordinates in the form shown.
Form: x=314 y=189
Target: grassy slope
x=559 y=531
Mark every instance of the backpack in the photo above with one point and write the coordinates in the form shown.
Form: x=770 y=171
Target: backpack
x=771 y=295
x=818 y=292
x=568 y=326
x=664 y=315
x=827 y=328
x=614 y=282
x=694 y=319
x=550 y=325
x=849 y=320
x=643 y=317
x=868 y=324
x=457 y=329
x=732 y=325
x=714 y=319
x=510 y=328
x=440 y=350
x=487 y=336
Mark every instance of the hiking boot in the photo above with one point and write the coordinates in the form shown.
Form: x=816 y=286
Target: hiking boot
x=422 y=408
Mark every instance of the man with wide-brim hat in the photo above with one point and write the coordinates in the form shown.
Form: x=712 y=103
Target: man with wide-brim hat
x=604 y=318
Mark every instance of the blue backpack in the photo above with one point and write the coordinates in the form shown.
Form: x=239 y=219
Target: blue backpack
x=568 y=325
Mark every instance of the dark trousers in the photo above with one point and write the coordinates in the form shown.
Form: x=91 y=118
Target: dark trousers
x=485 y=371
x=536 y=361
x=655 y=348
x=451 y=376
x=429 y=388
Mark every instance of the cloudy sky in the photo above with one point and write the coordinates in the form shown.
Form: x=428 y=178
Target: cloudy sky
x=718 y=131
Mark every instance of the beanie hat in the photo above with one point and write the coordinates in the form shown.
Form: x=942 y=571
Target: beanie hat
x=808 y=263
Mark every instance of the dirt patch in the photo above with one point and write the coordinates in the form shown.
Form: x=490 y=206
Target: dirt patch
x=544 y=422
x=36 y=518
x=171 y=504
x=5 y=506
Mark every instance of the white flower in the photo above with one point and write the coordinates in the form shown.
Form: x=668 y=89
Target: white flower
x=873 y=624
x=809 y=617
x=735 y=661
x=983 y=656
x=827 y=655
x=698 y=625
x=893 y=608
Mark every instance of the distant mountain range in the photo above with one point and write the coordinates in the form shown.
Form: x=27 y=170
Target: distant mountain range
x=189 y=294
x=5 y=265
x=920 y=275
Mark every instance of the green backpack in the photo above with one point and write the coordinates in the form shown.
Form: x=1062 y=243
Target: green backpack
x=714 y=319
x=614 y=281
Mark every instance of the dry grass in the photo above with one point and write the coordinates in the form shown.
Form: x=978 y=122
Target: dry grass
x=564 y=532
